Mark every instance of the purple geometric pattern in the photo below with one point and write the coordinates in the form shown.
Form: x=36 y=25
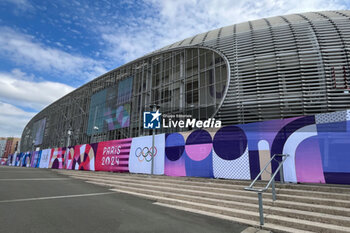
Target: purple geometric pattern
x=308 y=162
x=198 y=145
x=174 y=155
x=174 y=146
x=232 y=169
x=203 y=168
x=348 y=115
x=331 y=117
x=193 y=158
x=230 y=142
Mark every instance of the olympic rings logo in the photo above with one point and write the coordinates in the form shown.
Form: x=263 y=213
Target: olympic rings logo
x=145 y=153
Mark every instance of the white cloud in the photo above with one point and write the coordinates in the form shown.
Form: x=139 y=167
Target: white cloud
x=19 y=89
x=171 y=21
x=23 y=49
x=21 y=5
x=13 y=120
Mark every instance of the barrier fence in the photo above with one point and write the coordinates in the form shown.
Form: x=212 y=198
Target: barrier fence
x=318 y=148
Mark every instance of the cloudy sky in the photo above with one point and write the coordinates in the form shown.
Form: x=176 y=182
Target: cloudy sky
x=49 y=49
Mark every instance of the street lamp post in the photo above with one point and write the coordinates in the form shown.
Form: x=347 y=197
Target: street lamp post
x=32 y=154
x=154 y=108
x=33 y=145
x=94 y=129
x=69 y=132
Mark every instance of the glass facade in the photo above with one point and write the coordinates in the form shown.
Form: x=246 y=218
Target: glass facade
x=188 y=81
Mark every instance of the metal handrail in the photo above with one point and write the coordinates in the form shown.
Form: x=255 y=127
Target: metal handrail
x=271 y=182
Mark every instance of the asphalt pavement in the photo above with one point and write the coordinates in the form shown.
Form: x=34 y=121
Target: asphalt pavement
x=34 y=200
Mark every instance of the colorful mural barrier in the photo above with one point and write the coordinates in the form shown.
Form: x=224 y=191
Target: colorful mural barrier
x=18 y=160
x=318 y=148
x=26 y=159
x=57 y=158
x=3 y=161
x=113 y=155
x=35 y=161
x=189 y=154
x=230 y=154
x=45 y=158
x=140 y=158
x=9 y=160
x=81 y=157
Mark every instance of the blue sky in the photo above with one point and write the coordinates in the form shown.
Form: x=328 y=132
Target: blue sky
x=49 y=48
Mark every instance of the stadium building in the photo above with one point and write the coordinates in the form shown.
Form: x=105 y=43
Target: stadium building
x=272 y=68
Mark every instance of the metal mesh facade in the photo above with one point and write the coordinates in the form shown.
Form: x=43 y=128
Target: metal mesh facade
x=259 y=70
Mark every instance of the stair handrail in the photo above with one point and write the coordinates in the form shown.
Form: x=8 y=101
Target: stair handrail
x=271 y=182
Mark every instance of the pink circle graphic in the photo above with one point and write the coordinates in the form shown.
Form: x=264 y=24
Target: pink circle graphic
x=198 y=152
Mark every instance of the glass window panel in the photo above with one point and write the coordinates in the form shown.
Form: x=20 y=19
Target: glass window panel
x=189 y=68
x=189 y=100
x=195 y=113
x=189 y=54
x=218 y=58
x=202 y=79
x=210 y=111
x=177 y=73
x=220 y=90
x=195 y=54
x=203 y=113
x=195 y=66
x=203 y=96
x=202 y=61
x=223 y=73
x=176 y=101
x=217 y=74
x=210 y=94
x=209 y=77
x=167 y=64
x=177 y=59
x=189 y=86
x=195 y=83
x=166 y=77
x=209 y=59
x=157 y=79
x=195 y=97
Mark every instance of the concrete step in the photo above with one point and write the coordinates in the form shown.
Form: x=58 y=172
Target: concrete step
x=231 y=187
x=338 y=189
x=269 y=209
x=244 y=214
x=268 y=201
x=312 y=208
x=164 y=185
x=267 y=226
x=225 y=198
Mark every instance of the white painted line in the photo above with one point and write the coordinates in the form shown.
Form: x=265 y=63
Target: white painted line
x=56 y=197
x=34 y=179
x=29 y=171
